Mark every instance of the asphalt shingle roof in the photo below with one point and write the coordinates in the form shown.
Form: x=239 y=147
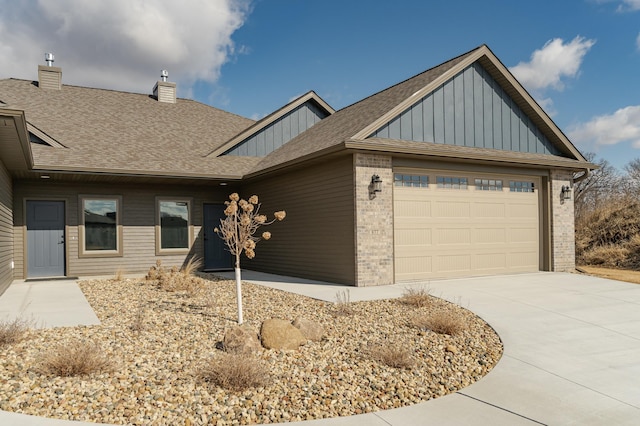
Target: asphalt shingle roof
x=120 y=132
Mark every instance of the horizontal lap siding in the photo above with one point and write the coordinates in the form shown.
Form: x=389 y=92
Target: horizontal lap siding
x=138 y=222
x=316 y=240
x=6 y=228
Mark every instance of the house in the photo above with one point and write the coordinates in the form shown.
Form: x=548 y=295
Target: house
x=454 y=172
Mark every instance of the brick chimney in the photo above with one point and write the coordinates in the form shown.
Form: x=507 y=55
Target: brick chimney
x=164 y=91
x=49 y=77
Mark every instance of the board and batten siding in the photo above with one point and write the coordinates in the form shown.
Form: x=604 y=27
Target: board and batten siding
x=6 y=228
x=316 y=240
x=279 y=132
x=138 y=223
x=471 y=110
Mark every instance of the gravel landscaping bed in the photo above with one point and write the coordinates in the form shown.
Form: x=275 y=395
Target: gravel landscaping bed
x=159 y=340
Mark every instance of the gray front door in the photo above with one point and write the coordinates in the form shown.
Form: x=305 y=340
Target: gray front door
x=45 y=239
x=216 y=255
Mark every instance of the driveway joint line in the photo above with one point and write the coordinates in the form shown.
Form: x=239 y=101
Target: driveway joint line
x=501 y=408
x=574 y=382
x=378 y=416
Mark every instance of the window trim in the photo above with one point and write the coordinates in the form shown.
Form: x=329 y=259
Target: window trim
x=82 y=251
x=190 y=235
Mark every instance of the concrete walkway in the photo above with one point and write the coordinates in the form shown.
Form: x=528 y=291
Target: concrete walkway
x=572 y=351
x=57 y=303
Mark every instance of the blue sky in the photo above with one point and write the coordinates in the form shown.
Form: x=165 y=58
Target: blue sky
x=579 y=58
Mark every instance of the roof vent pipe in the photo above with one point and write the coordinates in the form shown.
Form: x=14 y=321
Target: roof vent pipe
x=48 y=58
x=164 y=74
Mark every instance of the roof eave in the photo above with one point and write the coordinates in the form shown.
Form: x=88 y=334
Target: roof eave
x=18 y=122
x=433 y=151
x=43 y=168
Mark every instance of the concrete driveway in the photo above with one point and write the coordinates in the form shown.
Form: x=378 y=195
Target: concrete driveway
x=571 y=351
x=571 y=357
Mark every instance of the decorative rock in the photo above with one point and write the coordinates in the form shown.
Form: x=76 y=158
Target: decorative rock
x=280 y=334
x=310 y=329
x=241 y=339
x=452 y=349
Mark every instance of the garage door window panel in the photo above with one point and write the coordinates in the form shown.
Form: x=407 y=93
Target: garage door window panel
x=411 y=181
x=488 y=184
x=451 y=182
x=520 y=186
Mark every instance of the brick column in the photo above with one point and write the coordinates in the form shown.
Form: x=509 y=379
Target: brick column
x=374 y=221
x=562 y=224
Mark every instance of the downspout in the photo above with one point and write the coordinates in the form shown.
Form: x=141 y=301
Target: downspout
x=586 y=174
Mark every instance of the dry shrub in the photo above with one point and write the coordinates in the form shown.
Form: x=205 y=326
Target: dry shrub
x=441 y=322
x=75 y=359
x=342 y=305
x=610 y=235
x=393 y=356
x=610 y=255
x=137 y=324
x=13 y=331
x=234 y=372
x=175 y=279
x=119 y=276
x=418 y=297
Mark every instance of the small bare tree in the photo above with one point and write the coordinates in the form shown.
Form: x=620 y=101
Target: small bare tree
x=237 y=229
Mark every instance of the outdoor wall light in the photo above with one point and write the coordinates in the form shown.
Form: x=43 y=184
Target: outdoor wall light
x=565 y=193
x=376 y=184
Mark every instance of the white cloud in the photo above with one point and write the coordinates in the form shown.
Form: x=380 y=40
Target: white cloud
x=621 y=126
x=638 y=41
x=120 y=44
x=630 y=5
x=624 y=5
x=553 y=63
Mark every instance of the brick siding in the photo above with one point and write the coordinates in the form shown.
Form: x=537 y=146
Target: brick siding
x=374 y=221
x=563 y=249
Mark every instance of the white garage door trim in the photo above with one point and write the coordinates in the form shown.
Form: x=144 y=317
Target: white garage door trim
x=446 y=229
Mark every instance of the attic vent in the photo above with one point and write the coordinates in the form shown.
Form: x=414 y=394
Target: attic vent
x=164 y=91
x=49 y=77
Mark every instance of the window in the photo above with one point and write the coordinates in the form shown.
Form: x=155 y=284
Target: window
x=100 y=229
x=488 y=185
x=451 y=182
x=517 y=186
x=173 y=232
x=415 y=181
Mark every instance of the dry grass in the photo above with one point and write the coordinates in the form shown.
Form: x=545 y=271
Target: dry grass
x=138 y=322
x=119 y=275
x=75 y=359
x=13 y=331
x=392 y=355
x=235 y=372
x=178 y=280
x=613 y=274
x=416 y=296
x=193 y=264
x=610 y=236
x=441 y=322
x=342 y=305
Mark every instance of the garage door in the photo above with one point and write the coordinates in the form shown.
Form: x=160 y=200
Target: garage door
x=463 y=224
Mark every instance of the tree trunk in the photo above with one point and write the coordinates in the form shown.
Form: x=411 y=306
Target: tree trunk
x=239 y=294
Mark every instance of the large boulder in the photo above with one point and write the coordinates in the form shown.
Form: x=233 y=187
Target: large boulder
x=310 y=329
x=241 y=339
x=280 y=334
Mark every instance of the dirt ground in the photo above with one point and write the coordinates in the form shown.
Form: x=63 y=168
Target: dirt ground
x=614 y=274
